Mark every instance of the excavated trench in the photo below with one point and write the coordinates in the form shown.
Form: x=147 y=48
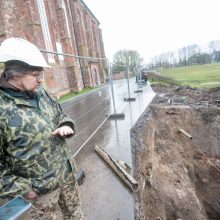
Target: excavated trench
x=176 y=156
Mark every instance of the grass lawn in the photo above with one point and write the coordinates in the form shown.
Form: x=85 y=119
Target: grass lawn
x=195 y=76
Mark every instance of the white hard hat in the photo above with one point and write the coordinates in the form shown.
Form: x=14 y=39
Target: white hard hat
x=23 y=50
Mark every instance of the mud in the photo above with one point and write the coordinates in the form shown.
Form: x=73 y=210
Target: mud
x=179 y=177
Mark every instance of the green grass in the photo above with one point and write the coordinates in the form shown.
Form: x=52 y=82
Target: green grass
x=74 y=94
x=2 y=66
x=195 y=76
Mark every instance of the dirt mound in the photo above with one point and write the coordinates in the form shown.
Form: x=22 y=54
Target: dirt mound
x=176 y=155
x=187 y=95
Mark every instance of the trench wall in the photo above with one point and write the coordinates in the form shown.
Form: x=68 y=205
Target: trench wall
x=175 y=155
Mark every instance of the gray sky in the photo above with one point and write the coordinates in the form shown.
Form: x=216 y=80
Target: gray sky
x=155 y=26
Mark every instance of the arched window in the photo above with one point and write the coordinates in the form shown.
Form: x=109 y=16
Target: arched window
x=45 y=29
x=66 y=18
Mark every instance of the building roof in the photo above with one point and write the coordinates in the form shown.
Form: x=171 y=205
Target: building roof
x=84 y=4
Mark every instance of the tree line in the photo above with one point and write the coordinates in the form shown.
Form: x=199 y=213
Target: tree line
x=187 y=56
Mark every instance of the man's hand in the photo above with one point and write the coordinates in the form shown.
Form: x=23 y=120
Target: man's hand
x=63 y=131
x=31 y=195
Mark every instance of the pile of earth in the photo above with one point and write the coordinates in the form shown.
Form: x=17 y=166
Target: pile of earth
x=187 y=95
x=176 y=155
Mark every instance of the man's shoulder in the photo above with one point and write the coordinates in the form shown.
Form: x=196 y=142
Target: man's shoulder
x=45 y=93
x=4 y=98
x=47 y=96
x=3 y=104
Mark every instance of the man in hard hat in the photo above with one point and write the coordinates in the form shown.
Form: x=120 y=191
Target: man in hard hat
x=34 y=158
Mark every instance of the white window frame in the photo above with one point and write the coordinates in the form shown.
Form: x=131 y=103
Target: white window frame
x=66 y=18
x=45 y=29
x=60 y=50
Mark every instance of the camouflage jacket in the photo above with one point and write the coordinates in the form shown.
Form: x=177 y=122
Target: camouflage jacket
x=30 y=157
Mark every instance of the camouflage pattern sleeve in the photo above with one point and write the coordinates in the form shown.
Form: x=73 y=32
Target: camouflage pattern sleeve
x=61 y=117
x=9 y=183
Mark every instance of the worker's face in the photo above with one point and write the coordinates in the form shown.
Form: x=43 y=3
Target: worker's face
x=30 y=81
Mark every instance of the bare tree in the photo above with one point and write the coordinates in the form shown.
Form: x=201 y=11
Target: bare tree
x=124 y=58
x=214 y=46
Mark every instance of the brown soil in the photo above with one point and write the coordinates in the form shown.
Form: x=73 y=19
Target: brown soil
x=179 y=177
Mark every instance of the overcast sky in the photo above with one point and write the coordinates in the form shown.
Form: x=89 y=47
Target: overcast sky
x=155 y=26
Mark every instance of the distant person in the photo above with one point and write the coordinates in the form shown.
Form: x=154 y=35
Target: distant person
x=144 y=75
x=34 y=158
x=141 y=77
